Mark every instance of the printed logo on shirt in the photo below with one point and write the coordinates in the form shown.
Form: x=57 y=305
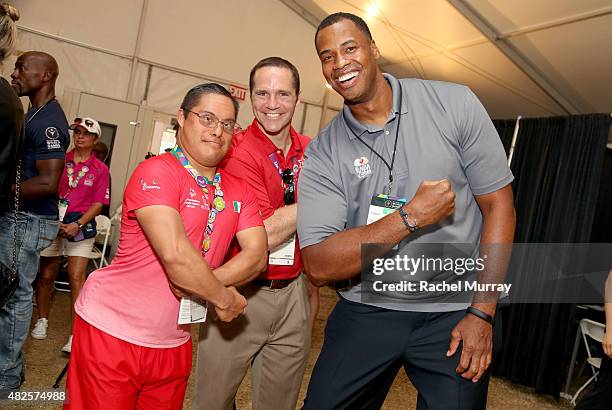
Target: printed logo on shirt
x=107 y=194
x=53 y=141
x=237 y=206
x=205 y=205
x=362 y=167
x=146 y=185
x=192 y=193
x=88 y=182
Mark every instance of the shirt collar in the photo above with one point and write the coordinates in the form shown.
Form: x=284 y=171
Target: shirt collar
x=91 y=161
x=360 y=128
x=296 y=145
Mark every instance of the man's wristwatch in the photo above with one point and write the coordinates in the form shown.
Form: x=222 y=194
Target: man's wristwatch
x=80 y=225
x=411 y=225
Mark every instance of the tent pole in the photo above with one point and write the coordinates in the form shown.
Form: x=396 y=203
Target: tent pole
x=514 y=136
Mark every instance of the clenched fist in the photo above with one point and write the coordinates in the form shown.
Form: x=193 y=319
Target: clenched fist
x=235 y=309
x=433 y=201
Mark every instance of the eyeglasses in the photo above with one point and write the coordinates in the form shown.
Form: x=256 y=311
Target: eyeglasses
x=210 y=120
x=288 y=187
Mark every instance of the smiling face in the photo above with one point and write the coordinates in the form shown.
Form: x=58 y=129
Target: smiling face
x=274 y=99
x=348 y=61
x=203 y=145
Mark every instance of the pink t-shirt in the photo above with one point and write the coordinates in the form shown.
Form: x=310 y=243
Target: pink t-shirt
x=91 y=187
x=131 y=298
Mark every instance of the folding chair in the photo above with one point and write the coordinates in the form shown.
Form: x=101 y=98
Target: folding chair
x=595 y=331
x=103 y=225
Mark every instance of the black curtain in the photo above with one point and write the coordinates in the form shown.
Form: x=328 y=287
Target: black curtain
x=505 y=129
x=557 y=166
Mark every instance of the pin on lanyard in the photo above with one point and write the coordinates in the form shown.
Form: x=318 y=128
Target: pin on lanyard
x=387 y=189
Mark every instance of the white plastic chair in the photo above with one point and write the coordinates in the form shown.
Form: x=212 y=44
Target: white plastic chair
x=103 y=226
x=595 y=331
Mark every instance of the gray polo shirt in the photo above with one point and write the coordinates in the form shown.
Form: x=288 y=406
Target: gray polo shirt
x=444 y=132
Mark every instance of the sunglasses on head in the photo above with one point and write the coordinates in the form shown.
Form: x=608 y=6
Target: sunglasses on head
x=88 y=123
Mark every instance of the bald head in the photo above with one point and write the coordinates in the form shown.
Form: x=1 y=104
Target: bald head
x=35 y=74
x=44 y=61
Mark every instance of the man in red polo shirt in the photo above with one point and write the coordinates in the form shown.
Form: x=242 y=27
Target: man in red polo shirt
x=274 y=334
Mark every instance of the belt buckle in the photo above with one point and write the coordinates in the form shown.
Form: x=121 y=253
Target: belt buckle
x=274 y=283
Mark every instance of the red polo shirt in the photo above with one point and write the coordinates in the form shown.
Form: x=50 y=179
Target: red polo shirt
x=250 y=160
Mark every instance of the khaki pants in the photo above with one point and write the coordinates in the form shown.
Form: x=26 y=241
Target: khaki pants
x=273 y=336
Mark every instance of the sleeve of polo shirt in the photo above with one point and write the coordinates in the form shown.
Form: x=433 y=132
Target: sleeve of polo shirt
x=322 y=204
x=49 y=141
x=101 y=190
x=249 y=210
x=482 y=152
x=243 y=165
x=153 y=182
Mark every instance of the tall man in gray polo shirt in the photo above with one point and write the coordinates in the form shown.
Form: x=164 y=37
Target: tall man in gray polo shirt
x=433 y=144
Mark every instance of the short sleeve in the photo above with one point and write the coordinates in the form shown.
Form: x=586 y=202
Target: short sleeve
x=243 y=165
x=482 y=152
x=248 y=210
x=49 y=140
x=102 y=189
x=322 y=206
x=153 y=182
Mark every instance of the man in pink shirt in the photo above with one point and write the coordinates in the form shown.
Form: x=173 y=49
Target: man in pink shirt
x=180 y=213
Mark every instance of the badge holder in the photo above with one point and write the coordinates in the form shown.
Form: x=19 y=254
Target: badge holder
x=192 y=310
x=62 y=207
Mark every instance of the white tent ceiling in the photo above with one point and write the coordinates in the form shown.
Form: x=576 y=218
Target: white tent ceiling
x=521 y=57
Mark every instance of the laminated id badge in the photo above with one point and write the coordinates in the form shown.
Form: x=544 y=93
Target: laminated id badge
x=62 y=207
x=192 y=310
x=383 y=205
x=284 y=254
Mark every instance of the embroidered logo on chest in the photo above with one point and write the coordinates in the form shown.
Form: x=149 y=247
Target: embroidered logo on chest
x=362 y=167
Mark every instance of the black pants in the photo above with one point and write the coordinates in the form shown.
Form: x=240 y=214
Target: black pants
x=365 y=347
x=600 y=398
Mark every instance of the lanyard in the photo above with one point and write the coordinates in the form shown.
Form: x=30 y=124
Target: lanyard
x=276 y=162
x=38 y=110
x=386 y=191
x=218 y=203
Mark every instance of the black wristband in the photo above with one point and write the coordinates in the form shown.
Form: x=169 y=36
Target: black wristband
x=479 y=313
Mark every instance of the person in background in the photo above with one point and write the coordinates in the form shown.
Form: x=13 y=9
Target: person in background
x=84 y=186
x=42 y=163
x=600 y=398
x=11 y=111
x=132 y=340
x=274 y=335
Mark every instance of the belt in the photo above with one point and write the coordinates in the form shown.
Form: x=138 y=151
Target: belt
x=274 y=283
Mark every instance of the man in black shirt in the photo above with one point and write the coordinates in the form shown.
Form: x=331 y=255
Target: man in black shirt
x=42 y=163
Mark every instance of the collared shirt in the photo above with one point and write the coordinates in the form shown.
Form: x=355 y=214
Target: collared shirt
x=131 y=299
x=46 y=137
x=444 y=133
x=92 y=187
x=250 y=159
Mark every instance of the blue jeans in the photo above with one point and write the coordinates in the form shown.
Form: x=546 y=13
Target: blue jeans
x=34 y=233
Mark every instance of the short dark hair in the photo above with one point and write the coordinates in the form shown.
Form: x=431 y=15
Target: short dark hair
x=192 y=98
x=336 y=17
x=275 y=62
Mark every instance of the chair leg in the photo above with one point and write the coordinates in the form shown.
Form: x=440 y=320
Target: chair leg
x=573 y=401
x=61 y=376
